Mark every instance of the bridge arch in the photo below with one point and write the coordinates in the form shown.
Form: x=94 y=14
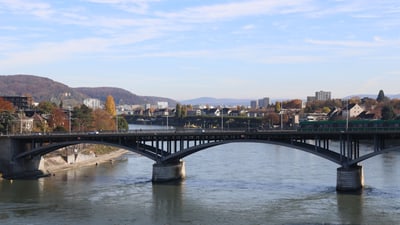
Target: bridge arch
x=323 y=153
x=43 y=150
x=375 y=153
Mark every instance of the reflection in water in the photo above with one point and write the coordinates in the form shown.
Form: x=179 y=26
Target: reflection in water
x=167 y=201
x=350 y=208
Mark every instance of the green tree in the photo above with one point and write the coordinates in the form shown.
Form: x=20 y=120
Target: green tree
x=6 y=119
x=178 y=111
x=122 y=124
x=388 y=112
x=82 y=118
x=46 y=107
x=184 y=110
x=381 y=96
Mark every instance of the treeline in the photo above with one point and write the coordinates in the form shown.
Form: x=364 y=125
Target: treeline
x=50 y=117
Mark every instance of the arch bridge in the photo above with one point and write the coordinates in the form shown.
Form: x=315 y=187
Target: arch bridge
x=168 y=147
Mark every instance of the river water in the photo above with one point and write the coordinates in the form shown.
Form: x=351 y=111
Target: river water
x=241 y=183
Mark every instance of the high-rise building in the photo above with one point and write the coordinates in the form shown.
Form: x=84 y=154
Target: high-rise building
x=323 y=95
x=254 y=104
x=19 y=102
x=263 y=103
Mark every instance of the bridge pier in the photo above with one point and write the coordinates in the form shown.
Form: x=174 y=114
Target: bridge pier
x=350 y=179
x=168 y=172
x=25 y=169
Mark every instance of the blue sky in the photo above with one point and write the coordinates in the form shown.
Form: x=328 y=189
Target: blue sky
x=194 y=48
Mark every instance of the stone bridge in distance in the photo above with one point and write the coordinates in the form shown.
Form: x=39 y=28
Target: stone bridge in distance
x=21 y=154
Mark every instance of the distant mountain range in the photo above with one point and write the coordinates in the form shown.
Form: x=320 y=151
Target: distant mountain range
x=216 y=101
x=246 y=102
x=45 y=89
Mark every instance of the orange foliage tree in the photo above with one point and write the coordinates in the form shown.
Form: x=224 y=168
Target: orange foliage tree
x=103 y=120
x=6 y=106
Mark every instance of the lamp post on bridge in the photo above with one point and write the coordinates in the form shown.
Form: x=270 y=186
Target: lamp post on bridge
x=347 y=114
x=69 y=118
x=222 y=119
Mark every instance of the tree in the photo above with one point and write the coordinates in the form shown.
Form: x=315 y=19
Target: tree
x=102 y=120
x=388 y=112
x=82 y=118
x=46 y=107
x=381 y=96
x=178 y=110
x=6 y=106
x=110 y=106
x=326 y=109
x=58 y=120
x=122 y=124
x=278 y=107
x=6 y=119
x=292 y=104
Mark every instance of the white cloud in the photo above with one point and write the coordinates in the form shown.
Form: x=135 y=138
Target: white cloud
x=50 y=52
x=348 y=43
x=249 y=27
x=234 y=10
x=36 y=8
x=133 y=6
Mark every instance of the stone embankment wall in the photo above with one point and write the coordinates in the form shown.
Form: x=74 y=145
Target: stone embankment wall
x=58 y=163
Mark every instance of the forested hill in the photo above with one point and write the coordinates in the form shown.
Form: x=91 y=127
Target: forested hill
x=122 y=96
x=45 y=89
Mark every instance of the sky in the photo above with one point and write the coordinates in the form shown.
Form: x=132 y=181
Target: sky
x=185 y=49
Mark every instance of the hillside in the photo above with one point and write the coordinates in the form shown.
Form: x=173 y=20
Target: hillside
x=45 y=89
x=121 y=96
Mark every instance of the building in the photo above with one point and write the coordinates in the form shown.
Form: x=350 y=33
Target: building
x=162 y=105
x=311 y=98
x=263 y=103
x=254 y=104
x=352 y=111
x=92 y=103
x=19 y=102
x=323 y=95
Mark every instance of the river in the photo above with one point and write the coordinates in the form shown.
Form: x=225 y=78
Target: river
x=241 y=183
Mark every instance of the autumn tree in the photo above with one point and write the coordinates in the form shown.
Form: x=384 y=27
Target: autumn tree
x=292 y=104
x=110 y=106
x=58 y=120
x=6 y=106
x=278 y=107
x=102 y=120
x=271 y=119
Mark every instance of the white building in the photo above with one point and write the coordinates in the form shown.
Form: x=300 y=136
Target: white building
x=352 y=110
x=92 y=103
x=162 y=105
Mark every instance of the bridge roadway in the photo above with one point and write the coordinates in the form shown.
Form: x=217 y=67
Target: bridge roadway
x=168 y=147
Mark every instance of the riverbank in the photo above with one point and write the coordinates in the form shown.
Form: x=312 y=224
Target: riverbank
x=56 y=164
